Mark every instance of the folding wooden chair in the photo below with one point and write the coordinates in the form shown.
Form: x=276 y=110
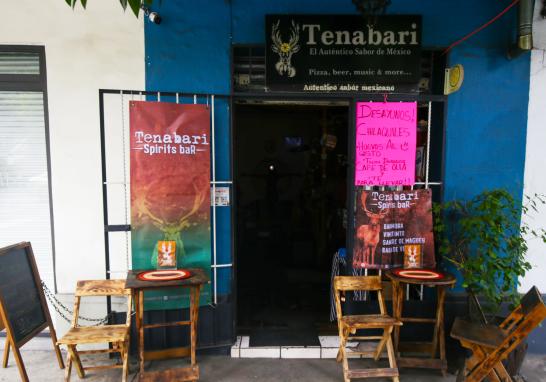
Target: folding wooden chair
x=491 y=344
x=116 y=335
x=349 y=324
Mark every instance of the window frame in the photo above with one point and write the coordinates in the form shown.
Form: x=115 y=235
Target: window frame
x=35 y=83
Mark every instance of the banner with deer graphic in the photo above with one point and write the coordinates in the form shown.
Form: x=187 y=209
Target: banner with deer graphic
x=170 y=192
x=393 y=229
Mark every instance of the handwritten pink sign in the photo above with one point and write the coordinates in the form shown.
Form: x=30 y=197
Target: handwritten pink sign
x=386 y=134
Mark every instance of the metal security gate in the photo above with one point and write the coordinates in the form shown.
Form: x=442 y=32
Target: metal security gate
x=435 y=107
x=115 y=153
x=431 y=172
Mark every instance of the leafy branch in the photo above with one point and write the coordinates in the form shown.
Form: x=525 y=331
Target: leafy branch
x=485 y=238
x=135 y=5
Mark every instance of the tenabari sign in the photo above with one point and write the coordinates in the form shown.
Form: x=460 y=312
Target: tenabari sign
x=343 y=53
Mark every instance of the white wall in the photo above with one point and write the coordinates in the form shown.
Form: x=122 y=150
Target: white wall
x=535 y=161
x=101 y=47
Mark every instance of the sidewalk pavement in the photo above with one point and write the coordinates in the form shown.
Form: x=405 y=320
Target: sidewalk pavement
x=42 y=366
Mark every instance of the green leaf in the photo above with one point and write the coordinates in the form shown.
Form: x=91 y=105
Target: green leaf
x=135 y=6
x=71 y=3
x=123 y=4
x=84 y=3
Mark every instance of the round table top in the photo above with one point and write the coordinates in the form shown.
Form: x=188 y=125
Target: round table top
x=421 y=276
x=198 y=276
x=164 y=275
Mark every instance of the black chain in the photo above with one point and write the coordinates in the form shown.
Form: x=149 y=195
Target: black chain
x=58 y=306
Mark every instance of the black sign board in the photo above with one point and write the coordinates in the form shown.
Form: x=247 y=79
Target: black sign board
x=343 y=53
x=23 y=308
x=21 y=299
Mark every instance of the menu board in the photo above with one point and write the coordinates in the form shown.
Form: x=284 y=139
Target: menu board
x=386 y=134
x=19 y=294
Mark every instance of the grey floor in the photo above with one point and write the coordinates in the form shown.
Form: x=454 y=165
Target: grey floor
x=41 y=366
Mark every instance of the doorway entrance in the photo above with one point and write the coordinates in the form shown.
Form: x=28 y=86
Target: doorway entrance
x=291 y=177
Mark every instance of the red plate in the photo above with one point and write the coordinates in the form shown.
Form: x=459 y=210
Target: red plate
x=164 y=275
x=421 y=274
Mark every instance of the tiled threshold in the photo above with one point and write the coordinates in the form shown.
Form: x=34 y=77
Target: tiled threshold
x=328 y=348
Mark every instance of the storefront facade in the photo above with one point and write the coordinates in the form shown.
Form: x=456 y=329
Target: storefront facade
x=490 y=128
x=477 y=129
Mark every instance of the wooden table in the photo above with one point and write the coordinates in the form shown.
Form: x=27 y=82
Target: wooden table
x=138 y=287
x=438 y=339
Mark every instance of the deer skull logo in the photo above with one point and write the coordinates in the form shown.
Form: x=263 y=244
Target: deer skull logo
x=285 y=50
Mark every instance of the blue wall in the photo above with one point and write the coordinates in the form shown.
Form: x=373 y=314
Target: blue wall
x=486 y=119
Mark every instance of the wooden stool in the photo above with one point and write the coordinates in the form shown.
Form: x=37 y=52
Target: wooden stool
x=441 y=281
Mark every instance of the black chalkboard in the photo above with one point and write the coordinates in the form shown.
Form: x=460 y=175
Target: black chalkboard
x=23 y=307
x=21 y=296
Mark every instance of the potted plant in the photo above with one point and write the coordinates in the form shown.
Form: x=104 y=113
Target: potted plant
x=485 y=238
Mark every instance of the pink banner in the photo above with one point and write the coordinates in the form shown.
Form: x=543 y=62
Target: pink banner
x=385 y=143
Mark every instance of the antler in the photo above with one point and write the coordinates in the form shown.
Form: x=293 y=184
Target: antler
x=182 y=222
x=276 y=37
x=142 y=208
x=197 y=201
x=294 y=34
x=363 y=198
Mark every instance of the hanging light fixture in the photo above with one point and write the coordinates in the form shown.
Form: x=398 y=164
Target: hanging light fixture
x=371 y=7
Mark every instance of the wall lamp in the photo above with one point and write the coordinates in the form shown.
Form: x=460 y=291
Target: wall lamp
x=371 y=7
x=154 y=17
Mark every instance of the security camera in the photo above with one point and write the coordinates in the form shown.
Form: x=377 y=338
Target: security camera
x=155 y=17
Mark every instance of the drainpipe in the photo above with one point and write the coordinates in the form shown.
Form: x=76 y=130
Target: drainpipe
x=525 y=29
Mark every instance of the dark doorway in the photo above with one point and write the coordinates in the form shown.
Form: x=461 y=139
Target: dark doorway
x=291 y=177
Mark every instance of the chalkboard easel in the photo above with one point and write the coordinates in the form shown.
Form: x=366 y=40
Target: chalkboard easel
x=23 y=308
